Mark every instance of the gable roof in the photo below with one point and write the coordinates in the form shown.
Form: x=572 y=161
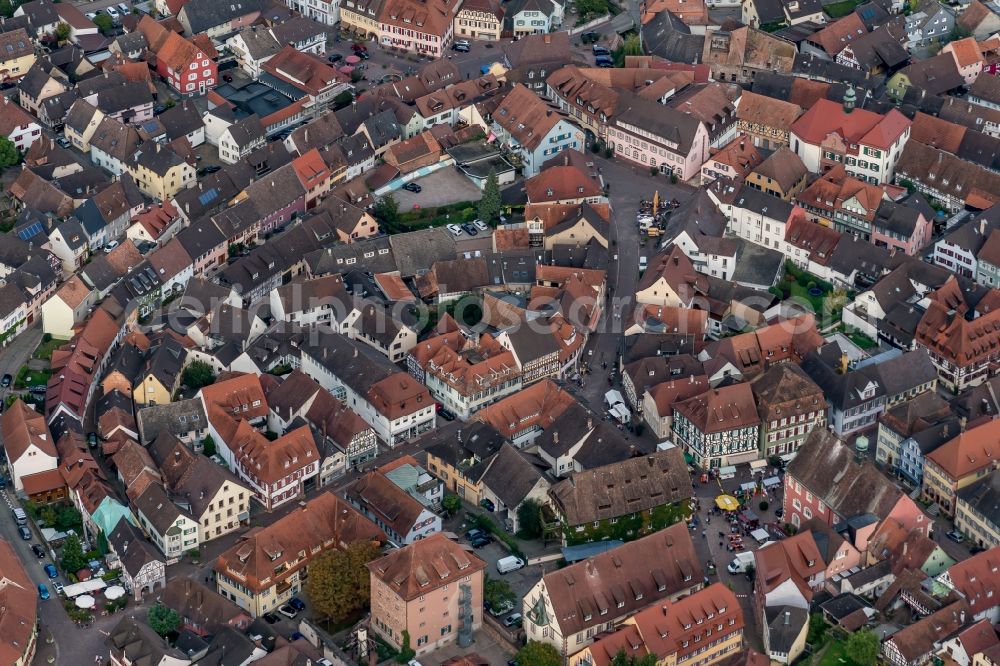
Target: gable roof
x=622 y=488
x=618 y=582
x=425 y=565
x=853 y=488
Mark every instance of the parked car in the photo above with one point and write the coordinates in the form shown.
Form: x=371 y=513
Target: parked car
x=956 y=536
x=24 y=532
x=158 y=109
x=474 y=532
x=123 y=8
x=63 y=141
x=295 y=636
x=270 y=618
x=334 y=57
x=58 y=587
x=512 y=620
x=297 y=604
x=92 y=439
x=228 y=78
x=50 y=570
x=113 y=13
x=38 y=551
x=287 y=611
x=7 y=379
x=779 y=512
x=461 y=45
x=109 y=246
x=455 y=230
x=589 y=37
x=600 y=50
x=446 y=415
x=482 y=226
x=487 y=504
x=214 y=168
x=412 y=187
x=605 y=61
x=481 y=541
x=469 y=229
x=43 y=591
x=506 y=607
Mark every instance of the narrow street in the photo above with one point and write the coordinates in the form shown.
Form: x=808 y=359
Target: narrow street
x=628 y=184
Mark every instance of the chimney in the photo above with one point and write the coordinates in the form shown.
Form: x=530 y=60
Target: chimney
x=843 y=364
x=906 y=547
x=962 y=420
x=982 y=227
x=788 y=618
x=157 y=147
x=590 y=423
x=555 y=437
x=548 y=38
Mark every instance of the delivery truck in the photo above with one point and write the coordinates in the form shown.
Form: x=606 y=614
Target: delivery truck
x=740 y=563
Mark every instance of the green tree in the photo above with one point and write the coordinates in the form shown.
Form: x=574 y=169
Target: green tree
x=62 y=32
x=387 y=210
x=104 y=23
x=73 y=558
x=7 y=8
x=68 y=518
x=208 y=446
x=163 y=620
x=9 y=154
x=632 y=46
x=622 y=659
x=338 y=584
x=538 y=654
x=489 y=205
x=406 y=652
x=451 y=504
x=529 y=519
x=197 y=375
x=498 y=593
x=863 y=647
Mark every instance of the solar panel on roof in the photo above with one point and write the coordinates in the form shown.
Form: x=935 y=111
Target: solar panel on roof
x=208 y=196
x=31 y=230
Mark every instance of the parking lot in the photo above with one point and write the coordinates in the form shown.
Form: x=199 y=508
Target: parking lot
x=443 y=187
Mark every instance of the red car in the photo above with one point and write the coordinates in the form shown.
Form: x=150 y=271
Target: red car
x=358 y=48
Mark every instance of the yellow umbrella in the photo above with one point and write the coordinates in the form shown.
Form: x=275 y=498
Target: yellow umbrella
x=727 y=503
x=656 y=202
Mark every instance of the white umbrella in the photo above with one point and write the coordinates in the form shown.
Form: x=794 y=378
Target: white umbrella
x=114 y=592
x=85 y=601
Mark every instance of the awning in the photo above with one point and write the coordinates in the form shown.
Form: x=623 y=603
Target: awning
x=727 y=503
x=688 y=458
x=771 y=482
x=760 y=534
x=748 y=487
x=758 y=464
x=729 y=471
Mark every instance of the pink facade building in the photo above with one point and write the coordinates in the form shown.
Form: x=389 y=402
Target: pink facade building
x=655 y=136
x=432 y=589
x=906 y=226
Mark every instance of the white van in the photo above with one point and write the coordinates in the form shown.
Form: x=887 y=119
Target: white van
x=740 y=563
x=508 y=564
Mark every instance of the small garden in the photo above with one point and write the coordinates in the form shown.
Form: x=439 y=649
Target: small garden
x=826 y=301
x=46 y=347
x=840 y=9
x=26 y=378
